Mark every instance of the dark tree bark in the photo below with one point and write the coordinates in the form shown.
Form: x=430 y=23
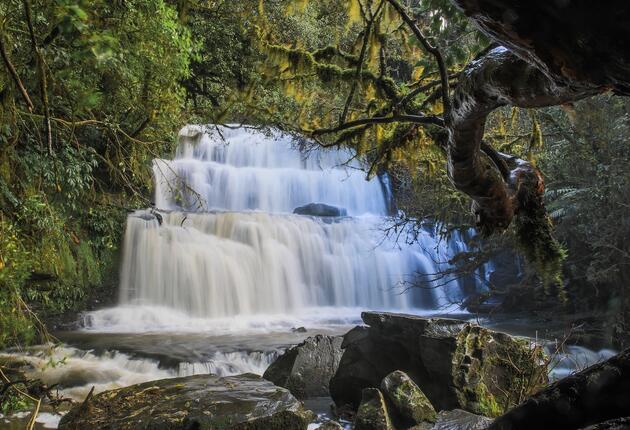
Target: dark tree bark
x=558 y=51
x=594 y=395
x=500 y=185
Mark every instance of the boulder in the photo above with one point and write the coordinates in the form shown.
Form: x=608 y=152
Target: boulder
x=320 y=209
x=455 y=363
x=306 y=369
x=199 y=402
x=408 y=401
x=594 y=395
x=615 y=424
x=372 y=413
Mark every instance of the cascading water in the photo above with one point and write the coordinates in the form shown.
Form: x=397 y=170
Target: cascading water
x=225 y=242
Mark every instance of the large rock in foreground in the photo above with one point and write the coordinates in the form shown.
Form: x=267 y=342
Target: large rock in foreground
x=597 y=394
x=372 y=413
x=306 y=369
x=243 y=402
x=455 y=363
x=408 y=400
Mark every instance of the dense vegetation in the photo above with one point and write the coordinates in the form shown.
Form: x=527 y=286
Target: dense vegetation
x=91 y=91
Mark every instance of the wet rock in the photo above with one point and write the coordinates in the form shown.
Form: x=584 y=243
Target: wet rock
x=330 y=425
x=243 y=402
x=456 y=419
x=458 y=365
x=320 y=209
x=408 y=401
x=306 y=369
x=372 y=413
x=615 y=424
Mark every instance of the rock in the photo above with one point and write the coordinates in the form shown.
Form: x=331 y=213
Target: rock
x=320 y=209
x=456 y=419
x=298 y=329
x=408 y=400
x=306 y=369
x=372 y=413
x=615 y=424
x=199 y=402
x=594 y=395
x=458 y=365
x=330 y=425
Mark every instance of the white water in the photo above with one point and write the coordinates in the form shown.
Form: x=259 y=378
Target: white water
x=76 y=371
x=228 y=246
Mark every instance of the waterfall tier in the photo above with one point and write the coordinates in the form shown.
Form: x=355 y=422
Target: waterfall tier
x=242 y=169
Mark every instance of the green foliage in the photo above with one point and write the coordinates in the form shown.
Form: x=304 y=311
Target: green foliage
x=588 y=170
x=113 y=75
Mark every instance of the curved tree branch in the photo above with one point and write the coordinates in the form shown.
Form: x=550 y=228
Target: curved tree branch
x=497 y=79
x=416 y=119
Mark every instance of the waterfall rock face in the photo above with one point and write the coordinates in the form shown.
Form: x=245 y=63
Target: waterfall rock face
x=455 y=363
x=306 y=369
x=244 y=402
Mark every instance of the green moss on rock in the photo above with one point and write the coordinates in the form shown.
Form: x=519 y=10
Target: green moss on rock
x=411 y=404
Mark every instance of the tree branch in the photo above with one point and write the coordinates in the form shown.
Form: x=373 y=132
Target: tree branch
x=364 y=45
x=14 y=74
x=439 y=58
x=416 y=119
x=43 y=84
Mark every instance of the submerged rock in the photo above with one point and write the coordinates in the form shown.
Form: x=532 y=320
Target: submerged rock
x=306 y=369
x=372 y=413
x=199 y=402
x=408 y=400
x=457 y=419
x=320 y=209
x=455 y=363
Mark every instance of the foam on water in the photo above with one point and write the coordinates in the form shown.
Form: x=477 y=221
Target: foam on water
x=76 y=371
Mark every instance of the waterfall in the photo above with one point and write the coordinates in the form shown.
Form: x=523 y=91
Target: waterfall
x=225 y=241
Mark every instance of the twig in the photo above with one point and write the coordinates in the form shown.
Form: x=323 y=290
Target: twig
x=31 y=422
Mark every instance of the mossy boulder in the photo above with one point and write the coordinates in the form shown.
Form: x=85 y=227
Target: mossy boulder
x=457 y=364
x=372 y=413
x=408 y=401
x=243 y=402
x=306 y=369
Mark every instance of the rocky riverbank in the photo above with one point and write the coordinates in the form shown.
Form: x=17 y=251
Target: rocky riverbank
x=396 y=372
